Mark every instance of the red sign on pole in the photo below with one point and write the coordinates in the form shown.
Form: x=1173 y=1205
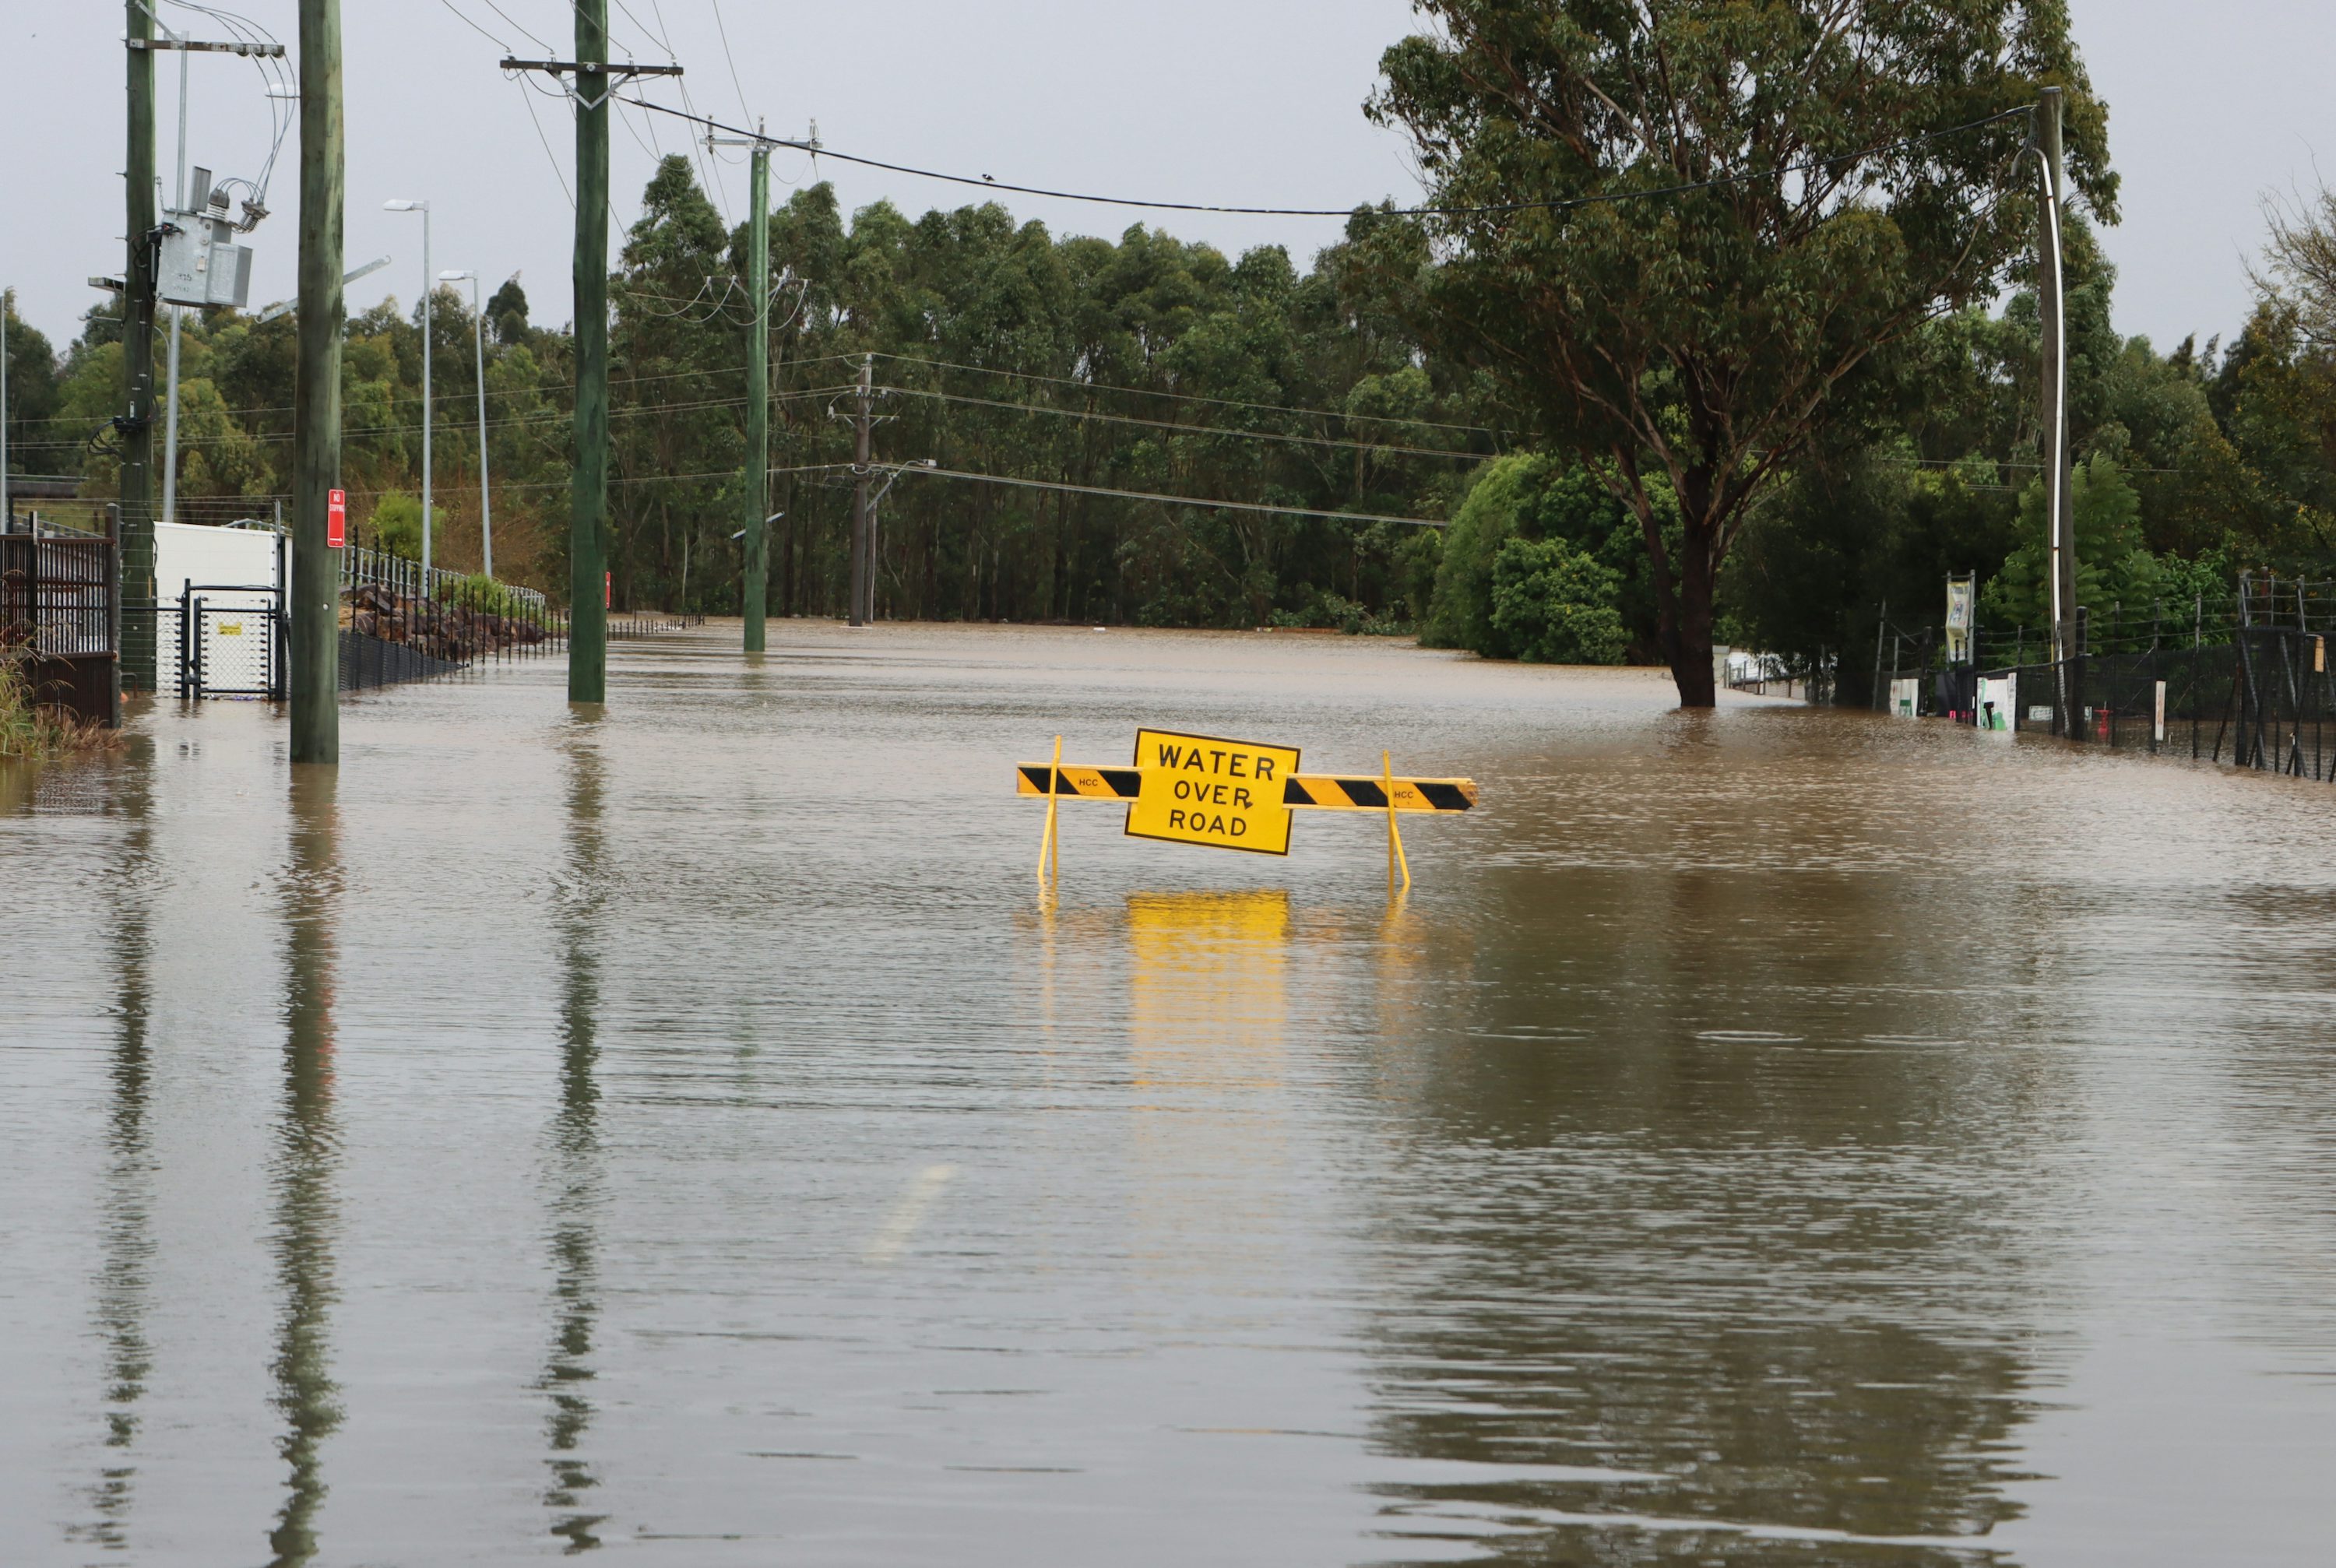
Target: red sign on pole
x=337 y=519
x=608 y=590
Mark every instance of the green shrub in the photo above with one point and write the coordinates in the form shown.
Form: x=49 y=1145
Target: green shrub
x=397 y=526
x=29 y=730
x=1460 y=607
x=480 y=592
x=1555 y=605
x=1536 y=497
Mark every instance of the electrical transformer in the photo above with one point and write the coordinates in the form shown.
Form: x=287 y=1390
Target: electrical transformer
x=201 y=263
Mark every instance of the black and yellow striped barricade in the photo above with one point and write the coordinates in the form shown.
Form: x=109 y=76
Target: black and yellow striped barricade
x=1231 y=795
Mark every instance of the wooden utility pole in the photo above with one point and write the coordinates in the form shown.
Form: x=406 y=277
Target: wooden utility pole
x=2051 y=305
x=137 y=423
x=316 y=630
x=588 y=518
x=862 y=565
x=588 y=486
x=758 y=398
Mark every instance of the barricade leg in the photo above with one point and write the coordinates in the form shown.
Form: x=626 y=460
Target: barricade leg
x=1397 y=860
x=1049 y=851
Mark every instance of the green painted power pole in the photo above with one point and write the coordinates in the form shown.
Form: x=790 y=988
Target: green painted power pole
x=758 y=398
x=588 y=518
x=137 y=425
x=315 y=629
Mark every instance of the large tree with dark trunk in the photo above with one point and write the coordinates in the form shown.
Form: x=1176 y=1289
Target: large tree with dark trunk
x=1688 y=234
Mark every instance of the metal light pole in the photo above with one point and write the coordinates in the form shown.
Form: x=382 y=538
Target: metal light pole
x=428 y=287
x=7 y=506
x=2060 y=524
x=479 y=338
x=170 y=414
x=875 y=504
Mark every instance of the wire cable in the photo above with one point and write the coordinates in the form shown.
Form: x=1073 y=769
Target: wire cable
x=474 y=28
x=1172 y=427
x=1556 y=205
x=1188 y=396
x=528 y=97
x=1173 y=499
x=732 y=59
x=515 y=22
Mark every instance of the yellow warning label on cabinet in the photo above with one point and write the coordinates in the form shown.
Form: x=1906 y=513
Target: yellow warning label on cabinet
x=1202 y=789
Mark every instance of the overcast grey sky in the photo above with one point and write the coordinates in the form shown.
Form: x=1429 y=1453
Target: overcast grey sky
x=1248 y=102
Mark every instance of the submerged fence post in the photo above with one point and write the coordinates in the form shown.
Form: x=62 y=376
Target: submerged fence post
x=1881 y=629
x=112 y=611
x=2197 y=654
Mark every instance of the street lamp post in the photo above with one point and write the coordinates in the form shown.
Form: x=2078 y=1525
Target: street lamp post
x=428 y=287
x=479 y=338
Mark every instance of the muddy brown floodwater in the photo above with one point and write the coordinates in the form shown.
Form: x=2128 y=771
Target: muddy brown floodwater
x=1767 y=1137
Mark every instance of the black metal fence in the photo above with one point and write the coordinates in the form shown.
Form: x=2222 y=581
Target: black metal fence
x=2244 y=679
x=649 y=623
x=59 y=611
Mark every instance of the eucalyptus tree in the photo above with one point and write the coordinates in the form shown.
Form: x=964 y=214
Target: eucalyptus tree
x=675 y=430
x=1682 y=233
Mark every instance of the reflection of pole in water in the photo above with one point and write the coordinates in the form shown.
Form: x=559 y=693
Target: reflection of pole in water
x=127 y=1241
x=307 y=1148
x=575 y=1179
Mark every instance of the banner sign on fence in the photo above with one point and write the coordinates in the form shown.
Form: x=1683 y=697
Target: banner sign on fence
x=337 y=519
x=1962 y=596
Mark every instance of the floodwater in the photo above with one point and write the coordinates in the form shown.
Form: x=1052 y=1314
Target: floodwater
x=1772 y=1136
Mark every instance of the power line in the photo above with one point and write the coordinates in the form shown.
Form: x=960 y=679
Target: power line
x=632 y=15
x=515 y=22
x=1176 y=500
x=1558 y=205
x=732 y=59
x=1169 y=424
x=1189 y=397
x=457 y=426
x=527 y=96
x=474 y=28
x=537 y=387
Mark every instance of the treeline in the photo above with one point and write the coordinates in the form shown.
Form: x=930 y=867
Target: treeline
x=1082 y=364
x=1086 y=365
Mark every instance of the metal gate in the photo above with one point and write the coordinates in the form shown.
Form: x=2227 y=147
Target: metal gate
x=232 y=641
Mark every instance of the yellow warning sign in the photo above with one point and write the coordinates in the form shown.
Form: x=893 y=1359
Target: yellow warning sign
x=1231 y=794
x=1202 y=789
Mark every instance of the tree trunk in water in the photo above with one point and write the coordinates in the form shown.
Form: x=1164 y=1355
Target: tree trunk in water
x=1690 y=653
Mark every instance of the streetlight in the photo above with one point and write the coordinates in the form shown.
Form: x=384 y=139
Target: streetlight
x=427 y=286
x=766 y=522
x=868 y=611
x=478 y=334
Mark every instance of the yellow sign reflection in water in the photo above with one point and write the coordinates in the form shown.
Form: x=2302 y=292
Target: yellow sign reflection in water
x=1208 y=1009
x=1208 y=982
